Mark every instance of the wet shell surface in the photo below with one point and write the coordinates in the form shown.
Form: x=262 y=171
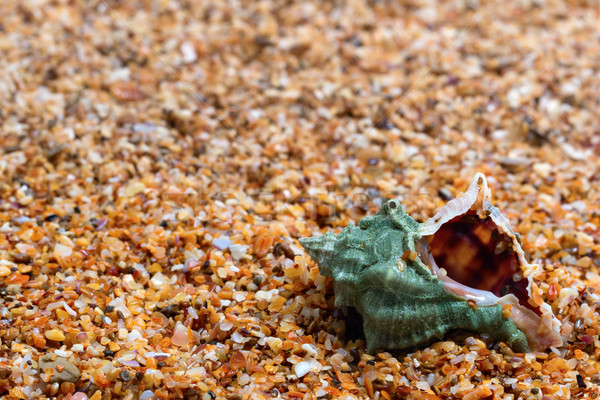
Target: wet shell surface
x=464 y=268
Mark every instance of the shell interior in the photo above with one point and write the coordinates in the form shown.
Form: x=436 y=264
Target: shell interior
x=473 y=252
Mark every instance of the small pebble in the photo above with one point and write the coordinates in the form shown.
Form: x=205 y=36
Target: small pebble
x=21 y=258
x=146 y=394
x=301 y=369
x=221 y=243
x=65 y=371
x=180 y=338
x=55 y=334
x=62 y=251
x=238 y=251
x=134 y=189
x=124 y=376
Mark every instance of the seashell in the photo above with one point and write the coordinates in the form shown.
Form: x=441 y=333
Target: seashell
x=464 y=268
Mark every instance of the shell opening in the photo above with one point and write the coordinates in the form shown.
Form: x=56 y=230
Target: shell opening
x=483 y=259
x=474 y=253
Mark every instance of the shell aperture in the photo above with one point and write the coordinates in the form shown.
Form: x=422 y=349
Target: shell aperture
x=461 y=269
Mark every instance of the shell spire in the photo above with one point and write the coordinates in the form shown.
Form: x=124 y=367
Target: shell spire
x=321 y=249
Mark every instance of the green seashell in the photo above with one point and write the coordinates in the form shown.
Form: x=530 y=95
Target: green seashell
x=387 y=268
